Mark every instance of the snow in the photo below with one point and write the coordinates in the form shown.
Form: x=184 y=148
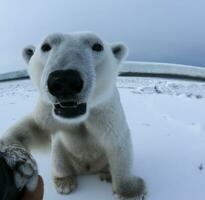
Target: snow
x=167 y=122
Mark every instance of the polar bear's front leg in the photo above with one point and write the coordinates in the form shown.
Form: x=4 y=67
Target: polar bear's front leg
x=64 y=176
x=119 y=154
x=15 y=146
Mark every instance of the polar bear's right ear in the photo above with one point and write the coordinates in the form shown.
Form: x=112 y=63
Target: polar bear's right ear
x=28 y=53
x=120 y=51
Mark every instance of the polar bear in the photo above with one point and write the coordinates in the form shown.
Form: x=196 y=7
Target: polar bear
x=79 y=112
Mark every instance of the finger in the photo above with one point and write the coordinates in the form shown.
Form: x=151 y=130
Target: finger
x=27 y=169
x=20 y=180
x=32 y=183
x=35 y=195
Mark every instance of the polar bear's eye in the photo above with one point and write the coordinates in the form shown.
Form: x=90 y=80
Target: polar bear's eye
x=46 y=47
x=97 y=47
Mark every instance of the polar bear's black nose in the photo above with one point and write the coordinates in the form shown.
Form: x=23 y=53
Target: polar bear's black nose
x=63 y=83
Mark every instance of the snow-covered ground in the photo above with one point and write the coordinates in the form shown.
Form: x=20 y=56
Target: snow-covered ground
x=167 y=120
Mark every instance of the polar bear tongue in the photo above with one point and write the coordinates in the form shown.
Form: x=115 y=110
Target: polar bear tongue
x=70 y=110
x=68 y=104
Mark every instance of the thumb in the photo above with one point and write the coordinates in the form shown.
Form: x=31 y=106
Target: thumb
x=37 y=194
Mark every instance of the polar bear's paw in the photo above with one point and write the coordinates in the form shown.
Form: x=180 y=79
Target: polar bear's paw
x=23 y=165
x=140 y=197
x=132 y=189
x=65 y=185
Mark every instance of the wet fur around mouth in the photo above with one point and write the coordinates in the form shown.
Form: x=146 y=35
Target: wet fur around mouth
x=70 y=109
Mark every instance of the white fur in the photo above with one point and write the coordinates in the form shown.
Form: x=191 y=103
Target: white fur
x=99 y=140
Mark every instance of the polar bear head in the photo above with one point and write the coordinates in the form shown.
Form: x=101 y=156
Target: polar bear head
x=74 y=72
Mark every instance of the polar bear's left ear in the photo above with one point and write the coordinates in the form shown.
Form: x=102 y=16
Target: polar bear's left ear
x=28 y=53
x=120 y=51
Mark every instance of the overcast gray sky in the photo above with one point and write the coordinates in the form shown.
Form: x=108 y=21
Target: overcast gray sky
x=154 y=30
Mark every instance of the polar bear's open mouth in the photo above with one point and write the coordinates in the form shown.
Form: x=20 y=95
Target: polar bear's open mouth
x=70 y=109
